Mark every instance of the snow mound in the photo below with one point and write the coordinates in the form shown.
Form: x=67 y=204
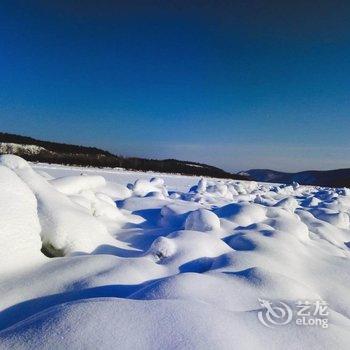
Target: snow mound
x=175 y=214
x=142 y=188
x=202 y=220
x=198 y=326
x=115 y=191
x=65 y=227
x=20 y=241
x=243 y=214
x=13 y=162
x=75 y=184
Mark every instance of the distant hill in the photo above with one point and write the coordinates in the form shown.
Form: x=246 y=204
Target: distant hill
x=61 y=153
x=326 y=178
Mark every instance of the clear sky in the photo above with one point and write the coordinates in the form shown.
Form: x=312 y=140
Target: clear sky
x=237 y=84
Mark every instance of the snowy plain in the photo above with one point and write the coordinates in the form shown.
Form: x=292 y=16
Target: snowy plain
x=151 y=261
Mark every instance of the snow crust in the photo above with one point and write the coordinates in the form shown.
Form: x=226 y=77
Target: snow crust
x=140 y=261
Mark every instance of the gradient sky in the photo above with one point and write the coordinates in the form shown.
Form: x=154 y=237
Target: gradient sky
x=237 y=84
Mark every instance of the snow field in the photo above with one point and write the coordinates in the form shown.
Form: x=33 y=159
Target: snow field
x=140 y=265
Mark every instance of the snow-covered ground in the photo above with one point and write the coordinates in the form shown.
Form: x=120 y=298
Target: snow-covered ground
x=149 y=261
x=173 y=182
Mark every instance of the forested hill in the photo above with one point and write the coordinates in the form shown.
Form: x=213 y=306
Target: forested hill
x=327 y=178
x=61 y=153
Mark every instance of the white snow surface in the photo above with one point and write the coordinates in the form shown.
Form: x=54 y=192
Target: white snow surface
x=156 y=261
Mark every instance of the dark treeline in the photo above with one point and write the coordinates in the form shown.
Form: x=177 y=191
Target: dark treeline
x=61 y=153
x=51 y=146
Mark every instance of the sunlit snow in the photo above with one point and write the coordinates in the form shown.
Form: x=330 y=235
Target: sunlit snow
x=107 y=258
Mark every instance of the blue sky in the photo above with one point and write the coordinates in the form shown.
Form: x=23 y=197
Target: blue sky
x=237 y=84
